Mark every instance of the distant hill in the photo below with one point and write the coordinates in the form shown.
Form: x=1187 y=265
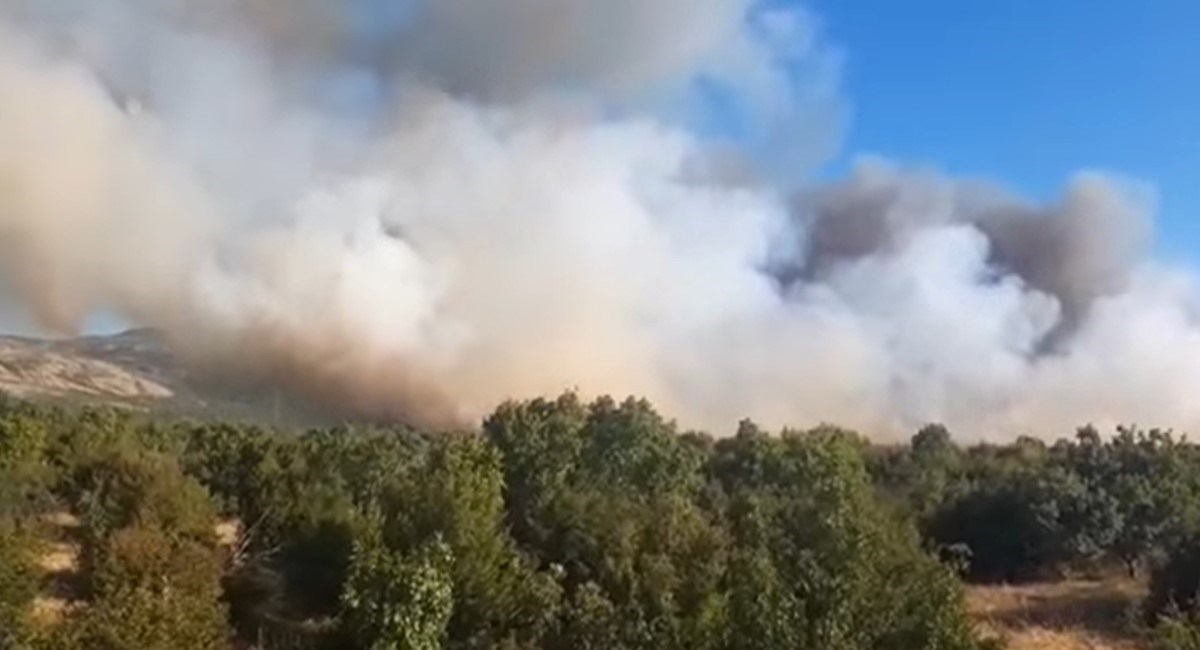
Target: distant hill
x=132 y=369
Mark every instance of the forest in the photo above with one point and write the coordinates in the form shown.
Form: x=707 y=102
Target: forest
x=564 y=525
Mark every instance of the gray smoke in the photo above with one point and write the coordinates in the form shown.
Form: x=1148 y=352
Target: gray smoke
x=1082 y=248
x=418 y=209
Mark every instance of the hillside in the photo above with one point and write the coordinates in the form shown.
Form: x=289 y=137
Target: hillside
x=132 y=369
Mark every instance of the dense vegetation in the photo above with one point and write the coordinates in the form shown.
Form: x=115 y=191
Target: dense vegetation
x=561 y=525
x=1037 y=511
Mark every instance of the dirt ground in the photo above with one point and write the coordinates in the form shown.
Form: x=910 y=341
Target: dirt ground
x=1067 y=615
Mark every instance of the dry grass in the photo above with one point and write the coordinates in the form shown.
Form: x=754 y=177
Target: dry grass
x=1067 y=615
x=59 y=563
x=28 y=369
x=60 y=559
x=48 y=611
x=61 y=520
x=228 y=532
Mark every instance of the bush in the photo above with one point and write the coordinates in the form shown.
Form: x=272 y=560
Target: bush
x=124 y=488
x=1176 y=633
x=837 y=552
x=18 y=583
x=24 y=471
x=398 y=602
x=566 y=525
x=155 y=591
x=1175 y=584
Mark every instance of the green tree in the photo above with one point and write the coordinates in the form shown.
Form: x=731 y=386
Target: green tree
x=833 y=553
x=936 y=464
x=540 y=444
x=126 y=488
x=459 y=495
x=631 y=447
x=18 y=583
x=1152 y=492
x=24 y=470
x=764 y=612
x=590 y=621
x=394 y=601
x=155 y=591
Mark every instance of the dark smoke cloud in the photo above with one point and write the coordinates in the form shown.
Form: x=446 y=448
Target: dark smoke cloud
x=1081 y=248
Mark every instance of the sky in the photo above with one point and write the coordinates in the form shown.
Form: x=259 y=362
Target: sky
x=1022 y=92
x=1027 y=92
x=427 y=213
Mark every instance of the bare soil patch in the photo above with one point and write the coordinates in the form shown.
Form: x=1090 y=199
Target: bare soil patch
x=1066 y=615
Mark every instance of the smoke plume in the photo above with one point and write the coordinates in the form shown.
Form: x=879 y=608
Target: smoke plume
x=418 y=209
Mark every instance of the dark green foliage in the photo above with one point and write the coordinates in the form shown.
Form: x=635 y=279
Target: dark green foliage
x=459 y=496
x=1175 y=583
x=18 y=583
x=155 y=591
x=1173 y=607
x=1021 y=525
x=1031 y=510
x=565 y=526
x=571 y=525
x=150 y=553
x=123 y=489
x=541 y=443
x=1176 y=633
x=824 y=554
x=1028 y=510
x=394 y=601
x=24 y=470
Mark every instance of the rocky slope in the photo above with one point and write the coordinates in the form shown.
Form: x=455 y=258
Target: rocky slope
x=132 y=369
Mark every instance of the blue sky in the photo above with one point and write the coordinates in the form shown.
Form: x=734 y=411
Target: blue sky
x=1026 y=92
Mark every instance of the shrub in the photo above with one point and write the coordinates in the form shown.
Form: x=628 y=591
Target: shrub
x=18 y=583
x=1175 y=584
x=1176 y=633
x=398 y=602
x=155 y=591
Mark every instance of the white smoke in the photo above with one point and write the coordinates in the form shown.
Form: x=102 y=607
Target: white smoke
x=419 y=209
